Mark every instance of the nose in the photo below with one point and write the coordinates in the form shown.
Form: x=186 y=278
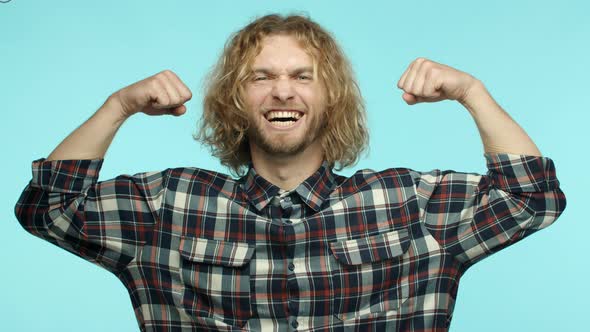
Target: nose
x=283 y=89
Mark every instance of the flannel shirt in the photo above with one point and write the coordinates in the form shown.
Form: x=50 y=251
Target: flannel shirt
x=377 y=251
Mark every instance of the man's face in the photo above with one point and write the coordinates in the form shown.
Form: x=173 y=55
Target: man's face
x=285 y=104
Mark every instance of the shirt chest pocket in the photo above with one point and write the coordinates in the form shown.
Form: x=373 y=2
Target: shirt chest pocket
x=371 y=276
x=215 y=278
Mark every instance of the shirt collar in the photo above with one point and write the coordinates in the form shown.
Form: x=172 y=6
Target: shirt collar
x=313 y=191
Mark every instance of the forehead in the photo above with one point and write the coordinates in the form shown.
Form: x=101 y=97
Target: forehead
x=282 y=52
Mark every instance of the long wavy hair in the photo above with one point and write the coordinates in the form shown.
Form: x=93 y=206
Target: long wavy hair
x=224 y=122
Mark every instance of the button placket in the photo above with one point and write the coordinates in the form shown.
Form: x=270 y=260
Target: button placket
x=291 y=210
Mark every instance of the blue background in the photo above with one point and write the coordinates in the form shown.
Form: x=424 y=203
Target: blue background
x=61 y=59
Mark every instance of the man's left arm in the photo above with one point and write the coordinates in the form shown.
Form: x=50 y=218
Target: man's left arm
x=472 y=215
x=428 y=81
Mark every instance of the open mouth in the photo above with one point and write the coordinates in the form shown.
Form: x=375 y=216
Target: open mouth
x=283 y=119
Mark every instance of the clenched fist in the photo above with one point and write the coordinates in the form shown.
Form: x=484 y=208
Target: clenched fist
x=428 y=81
x=163 y=93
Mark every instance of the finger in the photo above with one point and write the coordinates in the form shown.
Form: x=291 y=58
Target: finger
x=402 y=80
x=412 y=75
x=159 y=95
x=430 y=88
x=418 y=82
x=172 y=91
x=405 y=79
x=184 y=92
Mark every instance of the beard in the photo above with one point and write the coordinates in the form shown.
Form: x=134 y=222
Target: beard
x=284 y=144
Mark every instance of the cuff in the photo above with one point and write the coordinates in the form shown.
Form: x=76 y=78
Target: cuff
x=521 y=173
x=67 y=176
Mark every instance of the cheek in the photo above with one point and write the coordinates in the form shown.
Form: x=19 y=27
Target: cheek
x=255 y=96
x=314 y=98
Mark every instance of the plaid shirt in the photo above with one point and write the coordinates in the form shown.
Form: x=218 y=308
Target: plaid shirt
x=377 y=251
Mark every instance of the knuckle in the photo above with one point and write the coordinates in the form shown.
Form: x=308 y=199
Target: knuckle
x=173 y=100
x=187 y=96
x=170 y=74
x=163 y=75
x=155 y=85
x=157 y=80
x=163 y=99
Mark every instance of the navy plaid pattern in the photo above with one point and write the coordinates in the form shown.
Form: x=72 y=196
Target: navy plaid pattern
x=377 y=251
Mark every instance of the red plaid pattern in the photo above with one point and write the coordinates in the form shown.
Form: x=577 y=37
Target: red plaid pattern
x=377 y=251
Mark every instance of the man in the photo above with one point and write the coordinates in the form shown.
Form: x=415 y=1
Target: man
x=290 y=245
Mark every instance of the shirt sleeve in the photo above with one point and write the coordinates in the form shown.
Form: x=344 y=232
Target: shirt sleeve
x=472 y=215
x=103 y=222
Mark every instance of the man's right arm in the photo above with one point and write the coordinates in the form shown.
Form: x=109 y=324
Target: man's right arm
x=103 y=222
x=92 y=139
x=163 y=93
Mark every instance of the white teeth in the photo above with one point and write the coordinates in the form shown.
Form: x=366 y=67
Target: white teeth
x=282 y=114
x=283 y=123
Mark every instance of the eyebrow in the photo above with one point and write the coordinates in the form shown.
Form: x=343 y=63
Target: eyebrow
x=295 y=71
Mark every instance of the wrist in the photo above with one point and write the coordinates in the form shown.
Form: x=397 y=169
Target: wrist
x=476 y=97
x=114 y=109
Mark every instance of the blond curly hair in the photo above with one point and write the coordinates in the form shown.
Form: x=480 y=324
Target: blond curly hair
x=224 y=122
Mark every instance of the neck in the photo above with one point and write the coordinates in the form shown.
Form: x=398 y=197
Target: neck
x=287 y=172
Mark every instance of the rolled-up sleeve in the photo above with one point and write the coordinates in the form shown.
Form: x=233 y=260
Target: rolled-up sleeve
x=104 y=222
x=472 y=215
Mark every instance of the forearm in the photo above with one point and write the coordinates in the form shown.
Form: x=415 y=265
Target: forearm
x=499 y=132
x=92 y=139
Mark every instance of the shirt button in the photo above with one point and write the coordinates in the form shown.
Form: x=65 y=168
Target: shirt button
x=294 y=324
x=275 y=201
x=291 y=266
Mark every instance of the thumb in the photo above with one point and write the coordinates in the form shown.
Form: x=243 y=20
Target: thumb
x=409 y=98
x=177 y=111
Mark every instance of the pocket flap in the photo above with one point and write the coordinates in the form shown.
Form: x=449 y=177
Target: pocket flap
x=216 y=252
x=371 y=249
